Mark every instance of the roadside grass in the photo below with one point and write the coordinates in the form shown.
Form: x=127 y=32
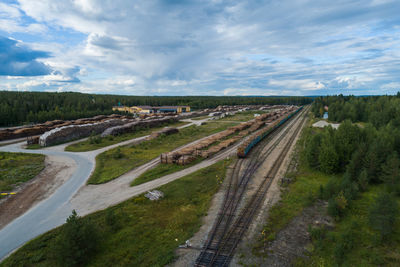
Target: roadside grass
x=161 y=170
x=33 y=146
x=295 y=197
x=117 y=161
x=143 y=232
x=353 y=242
x=244 y=115
x=200 y=118
x=17 y=168
x=96 y=142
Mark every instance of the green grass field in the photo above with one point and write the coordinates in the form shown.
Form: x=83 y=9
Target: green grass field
x=115 y=162
x=200 y=118
x=97 y=142
x=33 y=146
x=147 y=233
x=243 y=116
x=17 y=168
x=161 y=170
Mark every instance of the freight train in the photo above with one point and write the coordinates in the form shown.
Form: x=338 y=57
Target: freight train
x=246 y=147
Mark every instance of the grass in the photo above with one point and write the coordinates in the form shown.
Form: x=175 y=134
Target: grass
x=147 y=232
x=161 y=170
x=115 y=162
x=17 y=168
x=200 y=118
x=97 y=142
x=297 y=196
x=243 y=116
x=33 y=146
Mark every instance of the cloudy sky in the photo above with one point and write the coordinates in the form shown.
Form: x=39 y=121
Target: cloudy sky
x=285 y=47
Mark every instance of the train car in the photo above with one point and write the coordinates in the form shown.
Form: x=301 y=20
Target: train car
x=246 y=147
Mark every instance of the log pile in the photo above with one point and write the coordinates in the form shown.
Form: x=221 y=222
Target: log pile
x=137 y=125
x=273 y=121
x=215 y=143
x=25 y=131
x=71 y=132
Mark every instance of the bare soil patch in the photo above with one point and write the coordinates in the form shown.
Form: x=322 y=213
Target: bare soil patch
x=57 y=170
x=293 y=241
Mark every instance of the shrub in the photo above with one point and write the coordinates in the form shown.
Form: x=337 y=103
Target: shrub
x=94 y=139
x=112 y=220
x=337 y=205
x=118 y=154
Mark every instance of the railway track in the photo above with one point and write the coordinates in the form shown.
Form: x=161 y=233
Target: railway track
x=227 y=232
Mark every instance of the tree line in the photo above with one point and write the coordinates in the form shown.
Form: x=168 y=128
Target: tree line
x=32 y=107
x=377 y=110
x=361 y=156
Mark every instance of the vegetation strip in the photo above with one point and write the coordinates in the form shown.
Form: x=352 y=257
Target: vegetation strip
x=137 y=232
x=115 y=162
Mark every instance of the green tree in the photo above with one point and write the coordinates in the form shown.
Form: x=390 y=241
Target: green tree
x=76 y=242
x=311 y=151
x=391 y=173
x=328 y=158
x=383 y=214
x=347 y=139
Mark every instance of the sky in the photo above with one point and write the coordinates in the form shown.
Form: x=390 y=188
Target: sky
x=216 y=47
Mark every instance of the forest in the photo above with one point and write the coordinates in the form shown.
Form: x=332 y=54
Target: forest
x=378 y=110
x=363 y=157
x=18 y=108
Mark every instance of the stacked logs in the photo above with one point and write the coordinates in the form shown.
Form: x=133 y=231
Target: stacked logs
x=215 y=143
x=71 y=132
x=24 y=131
x=137 y=125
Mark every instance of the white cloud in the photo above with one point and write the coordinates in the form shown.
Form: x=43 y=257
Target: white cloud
x=220 y=47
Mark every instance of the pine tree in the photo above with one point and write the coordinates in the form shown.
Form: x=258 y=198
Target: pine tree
x=383 y=214
x=76 y=242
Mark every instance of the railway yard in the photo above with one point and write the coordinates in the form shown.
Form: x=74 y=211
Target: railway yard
x=258 y=139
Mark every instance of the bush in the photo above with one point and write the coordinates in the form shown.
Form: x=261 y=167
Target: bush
x=331 y=188
x=118 y=154
x=337 y=205
x=77 y=241
x=112 y=220
x=94 y=139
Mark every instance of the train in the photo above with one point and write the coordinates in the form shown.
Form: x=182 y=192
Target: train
x=245 y=148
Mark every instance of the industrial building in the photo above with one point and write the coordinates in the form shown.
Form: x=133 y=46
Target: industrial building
x=150 y=109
